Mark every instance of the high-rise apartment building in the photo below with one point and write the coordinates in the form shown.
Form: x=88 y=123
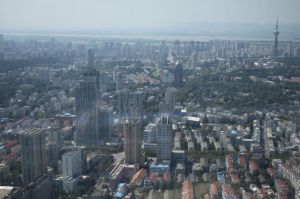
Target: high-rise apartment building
x=123 y=103
x=33 y=153
x=168 y=105
x=86 y=112
x=105 y=124
x=71 y=163
x=91 y=59
x=137 y=104
x=170 y=97
x=87 y=97
x=178 y=75
x=164 y=138
x=133 y=141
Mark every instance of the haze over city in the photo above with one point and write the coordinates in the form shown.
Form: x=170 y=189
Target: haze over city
x=147 y=17
x=160 y=99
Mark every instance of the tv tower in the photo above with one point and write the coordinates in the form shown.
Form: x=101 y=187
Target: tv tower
x=276 y=33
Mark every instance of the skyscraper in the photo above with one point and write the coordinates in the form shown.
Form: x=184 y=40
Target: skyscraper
x=276 y=33
x=1 y=47
x=133 y=141
x=1 y=41
x=164 y=138
x=123 y=103
x=119 y=81
x=71 y=163
x=168 y=105
x=33 y=153
x=170 y=98
x=194 y=58
x=178 y=75
x=87 y=96
x=137 y=104
x=105 y=124
x=91 y=59
x=86 y=112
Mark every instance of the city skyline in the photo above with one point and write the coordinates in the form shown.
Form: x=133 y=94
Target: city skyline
x=152 y=99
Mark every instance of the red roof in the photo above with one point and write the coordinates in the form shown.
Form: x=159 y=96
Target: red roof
x=187 y=190
x=228 y=190
x=229 y=161
x=213 y=189
x=254 y=166
x=271 y=171
x=242 y=159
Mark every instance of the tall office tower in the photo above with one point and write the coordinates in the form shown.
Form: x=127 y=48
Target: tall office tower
x=103 y=82
x=194 y=60
x=91 y=59
x=163 y=53
x=149 y=139
x=168 y=105
x=177 y=48
x=1 y=42
x=276 y=33
x=91 y=71
x=33 y=153
x=119 y=81
x=105 y=125
x=86 y=112
x=170 y=57
x=87 y=97
x=290 y=50
x=133 y=141
x=123 y=103
x=178 y=75
x=164 y=138
x=72 y=163
x=137 y=104
x=1 y=47
x=115 y=71
x=170 y=98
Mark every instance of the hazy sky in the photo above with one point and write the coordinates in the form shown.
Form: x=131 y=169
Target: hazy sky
x=101 y=14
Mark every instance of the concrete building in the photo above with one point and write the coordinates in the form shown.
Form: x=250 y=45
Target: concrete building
x=123 y=103
x=40 y=188
x=119 y=81
x=164 y=138
x=150 y=133
x=91 y=59
x=87 y=96
x=178 y=76
x=133 y=141
x=71 y=163
x=149 y=139
x=170 y=98
x=33 y=152
x=86 y=111
x=69 y=183
x=137 y=104
x=55 y=135
x=105 y=125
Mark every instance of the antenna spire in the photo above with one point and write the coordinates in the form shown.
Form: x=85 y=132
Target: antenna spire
x=276 y=33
